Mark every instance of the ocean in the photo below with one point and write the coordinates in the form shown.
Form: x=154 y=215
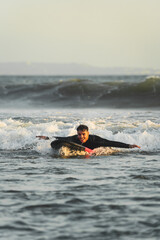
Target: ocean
x=48 y=195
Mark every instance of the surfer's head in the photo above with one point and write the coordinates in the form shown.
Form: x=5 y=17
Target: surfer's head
x=83 y=133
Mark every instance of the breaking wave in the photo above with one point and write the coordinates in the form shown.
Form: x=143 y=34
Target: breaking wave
x=80 y=92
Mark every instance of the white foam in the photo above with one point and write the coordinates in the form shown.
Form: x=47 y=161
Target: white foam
x=149 y=124
x=20 y=134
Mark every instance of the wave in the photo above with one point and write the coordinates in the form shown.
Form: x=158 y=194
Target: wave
x=76 y=92
x=18 y=135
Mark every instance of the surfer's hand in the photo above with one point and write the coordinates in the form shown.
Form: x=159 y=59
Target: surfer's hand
x=43 y=137
x=134 y=146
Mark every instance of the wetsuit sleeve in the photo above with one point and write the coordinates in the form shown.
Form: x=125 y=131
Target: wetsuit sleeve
x=101 y=142
x=73 y=138
x=56 y=144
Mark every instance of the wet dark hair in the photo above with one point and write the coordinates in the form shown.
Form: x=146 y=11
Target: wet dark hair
x=82 y=128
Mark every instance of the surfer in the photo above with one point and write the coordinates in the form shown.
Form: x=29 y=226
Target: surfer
x=90 y=141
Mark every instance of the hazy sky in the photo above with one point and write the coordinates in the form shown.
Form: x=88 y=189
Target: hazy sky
x=106 y=33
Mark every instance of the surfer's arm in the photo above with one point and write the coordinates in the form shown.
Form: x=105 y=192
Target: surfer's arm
x=116 y=144
x=120 y=144
x=70 y=138
x=102 y=142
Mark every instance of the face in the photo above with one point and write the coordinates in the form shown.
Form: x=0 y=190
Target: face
x=83 y=135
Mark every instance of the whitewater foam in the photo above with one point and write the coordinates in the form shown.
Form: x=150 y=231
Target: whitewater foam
x=131 y=128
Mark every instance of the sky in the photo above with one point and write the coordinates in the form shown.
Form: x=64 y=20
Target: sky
x=102 y=33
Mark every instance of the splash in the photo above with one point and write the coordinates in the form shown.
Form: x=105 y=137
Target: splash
x=102 y=151
x=141 y=128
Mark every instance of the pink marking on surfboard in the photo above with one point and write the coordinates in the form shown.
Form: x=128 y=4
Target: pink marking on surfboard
x=88 y=150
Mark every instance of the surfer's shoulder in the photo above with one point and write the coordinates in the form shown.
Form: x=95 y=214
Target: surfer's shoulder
x=72 y=138
x=94 y=137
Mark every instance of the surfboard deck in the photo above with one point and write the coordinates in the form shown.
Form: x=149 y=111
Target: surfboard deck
x=57 y=144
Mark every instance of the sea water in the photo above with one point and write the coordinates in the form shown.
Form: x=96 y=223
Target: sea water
x=44 y=195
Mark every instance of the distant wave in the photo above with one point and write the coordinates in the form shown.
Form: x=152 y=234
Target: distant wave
x=78 y=92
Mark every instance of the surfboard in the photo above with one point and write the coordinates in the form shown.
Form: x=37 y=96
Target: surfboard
x=60 y=142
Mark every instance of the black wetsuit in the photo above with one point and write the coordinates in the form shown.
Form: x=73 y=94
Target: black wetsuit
x=92 y=142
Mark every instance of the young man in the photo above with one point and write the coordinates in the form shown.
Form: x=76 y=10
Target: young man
x=90 y=141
